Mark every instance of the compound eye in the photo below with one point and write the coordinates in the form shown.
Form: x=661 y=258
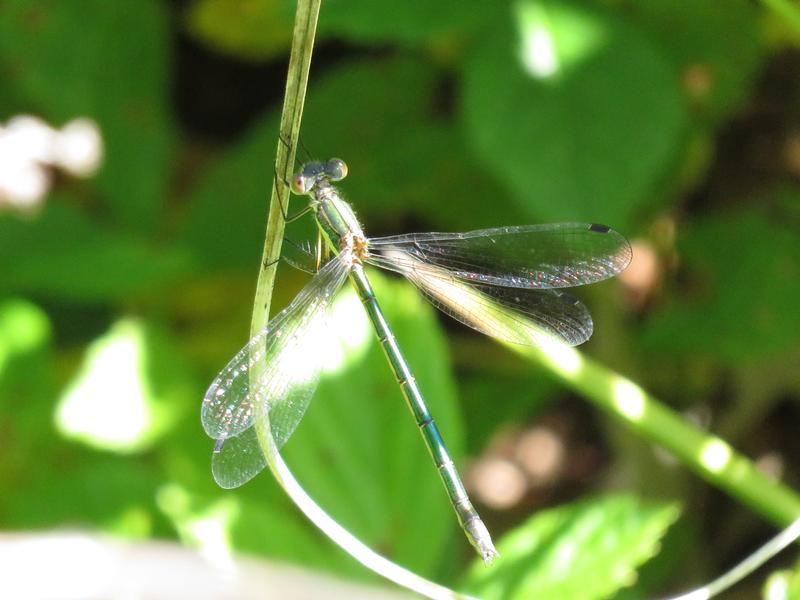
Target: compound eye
x=299 y=183
x=336 y=169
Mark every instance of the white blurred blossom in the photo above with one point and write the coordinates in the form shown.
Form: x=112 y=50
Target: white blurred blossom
x=30 y=150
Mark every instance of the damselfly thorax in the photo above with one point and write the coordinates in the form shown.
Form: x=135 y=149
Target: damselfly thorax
x=337 y=221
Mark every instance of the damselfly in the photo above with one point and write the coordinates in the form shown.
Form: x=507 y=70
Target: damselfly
x=504 y=282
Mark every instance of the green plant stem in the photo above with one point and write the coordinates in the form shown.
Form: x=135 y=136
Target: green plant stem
x=709 y=456
x=745 y=567
x=305 y=26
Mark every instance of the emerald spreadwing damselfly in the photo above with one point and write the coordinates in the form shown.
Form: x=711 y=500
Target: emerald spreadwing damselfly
x=505 y=282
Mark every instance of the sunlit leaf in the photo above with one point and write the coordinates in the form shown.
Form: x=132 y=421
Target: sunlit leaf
x=115 y=403
x=574 y=109
x=589 y=549
x=23 y=328
x=783 y=585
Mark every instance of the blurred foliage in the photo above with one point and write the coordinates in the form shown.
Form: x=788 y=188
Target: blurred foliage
x=123 y=294
x=783 y=584
x=603 y=539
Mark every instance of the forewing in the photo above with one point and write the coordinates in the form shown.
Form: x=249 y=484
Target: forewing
x=279 y=367
x=517 y=315
x=531 y=256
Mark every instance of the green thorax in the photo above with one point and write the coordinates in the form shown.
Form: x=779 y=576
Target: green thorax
x=335 y=217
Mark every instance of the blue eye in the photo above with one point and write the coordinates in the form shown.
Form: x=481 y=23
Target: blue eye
x=336 y=169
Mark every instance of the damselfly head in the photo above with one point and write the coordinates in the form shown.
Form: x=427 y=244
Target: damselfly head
x=304 y=180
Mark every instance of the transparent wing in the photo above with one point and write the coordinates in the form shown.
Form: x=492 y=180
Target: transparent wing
x=517 y=315
x=287 y=356
x=531 y=256
x=236 y=460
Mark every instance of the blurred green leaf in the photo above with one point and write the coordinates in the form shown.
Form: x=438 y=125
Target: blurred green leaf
x=358 y=451
x=276 y=530
x=61 y=253
x=783 y=585
x=23 y=328
x=254 y=29
x=85 y=488
x=227 y=208
x=127 y=392
x=227 y=520
x=741 y=299
x=413 y=21
x=26 y=386
x=403 y=157
x=259 y=29
x=589 y=549
x=716 y=52
x=575 y=109
x=106 y=61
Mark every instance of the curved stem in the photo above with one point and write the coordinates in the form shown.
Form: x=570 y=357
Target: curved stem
x=747 y=566
x=708 y=455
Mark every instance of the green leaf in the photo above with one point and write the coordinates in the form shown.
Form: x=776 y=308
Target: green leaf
x=26 y=390
x=24 y=328
x=358 y=451
x=576 y=110
x=783 y=585
x=62 y=253
x=589 y=549
x=403 y=159
x=414 y=21
x=128 y=391
x=106 y=61
x=260 y=29
x=227 y=209
x=717 y=52
x=256 y=29
x=740 y=301
x=258 y=525
x=90 y=490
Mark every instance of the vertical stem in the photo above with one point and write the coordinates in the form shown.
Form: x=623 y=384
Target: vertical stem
x=305 y=27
